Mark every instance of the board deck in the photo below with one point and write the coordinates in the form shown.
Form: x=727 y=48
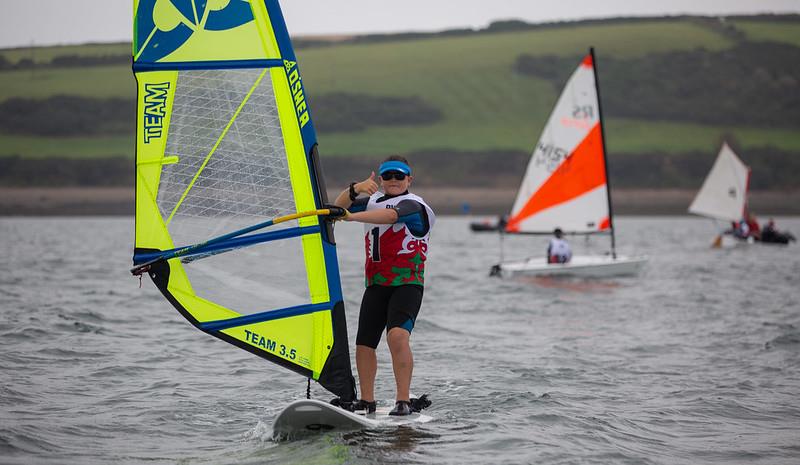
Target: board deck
x=308 y=415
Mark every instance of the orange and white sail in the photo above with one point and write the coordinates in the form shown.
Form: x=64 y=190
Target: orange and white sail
x=723 y=195
x=565 y=185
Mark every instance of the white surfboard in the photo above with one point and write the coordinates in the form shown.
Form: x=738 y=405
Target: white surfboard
x=309 y=415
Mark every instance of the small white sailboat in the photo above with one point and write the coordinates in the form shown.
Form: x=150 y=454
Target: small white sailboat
x=723 y=195
x=566 y=185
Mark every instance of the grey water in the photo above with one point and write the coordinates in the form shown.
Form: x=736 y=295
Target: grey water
x=695 y=361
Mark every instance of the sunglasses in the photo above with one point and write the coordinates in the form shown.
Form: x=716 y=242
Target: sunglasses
x=393 y=174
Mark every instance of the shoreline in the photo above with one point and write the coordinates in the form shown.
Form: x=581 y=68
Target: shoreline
x=76 y=201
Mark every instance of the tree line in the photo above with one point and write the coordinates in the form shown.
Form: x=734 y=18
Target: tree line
x=721 y=25
x=772 y=169
x=68 y=115
x=753 y=84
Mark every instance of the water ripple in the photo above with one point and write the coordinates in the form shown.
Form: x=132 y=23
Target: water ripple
x=686 y=364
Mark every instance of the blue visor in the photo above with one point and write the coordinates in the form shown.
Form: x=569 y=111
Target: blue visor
x=394 y=165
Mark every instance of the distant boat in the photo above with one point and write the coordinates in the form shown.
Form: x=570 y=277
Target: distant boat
x=483 y=226
x=723 y=196
x=566 y=185
x=770 y=235
x=486 y=225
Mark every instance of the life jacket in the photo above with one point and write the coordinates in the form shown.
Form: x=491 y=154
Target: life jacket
x=559 y=251
x=395 y=256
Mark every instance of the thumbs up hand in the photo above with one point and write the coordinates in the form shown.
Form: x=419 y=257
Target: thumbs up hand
x=367 y=186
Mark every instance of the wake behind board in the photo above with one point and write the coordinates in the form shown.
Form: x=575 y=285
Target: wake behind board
x=308 y=415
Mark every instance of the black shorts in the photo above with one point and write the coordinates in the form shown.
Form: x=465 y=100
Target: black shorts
x=387 y=307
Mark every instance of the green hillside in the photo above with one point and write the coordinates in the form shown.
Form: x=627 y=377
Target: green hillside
x=485 y=105
x=769 y=31
x=46 y=54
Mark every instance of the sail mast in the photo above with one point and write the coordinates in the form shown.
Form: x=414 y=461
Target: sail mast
x=605 y=153
x=746 y=209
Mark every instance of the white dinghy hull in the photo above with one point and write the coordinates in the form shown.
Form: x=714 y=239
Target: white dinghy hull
x=593 y=266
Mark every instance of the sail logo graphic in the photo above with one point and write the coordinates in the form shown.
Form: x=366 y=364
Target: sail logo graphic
x=583 y=117
x=583 y=112
x=155 y=110
x=549 y=155
x=164 y=26
x=296 y=87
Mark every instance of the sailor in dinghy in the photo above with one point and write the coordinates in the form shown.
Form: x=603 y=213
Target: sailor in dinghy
x=558 y=251
x=771 y=235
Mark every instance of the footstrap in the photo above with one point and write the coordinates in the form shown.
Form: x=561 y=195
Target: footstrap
x=420 y=403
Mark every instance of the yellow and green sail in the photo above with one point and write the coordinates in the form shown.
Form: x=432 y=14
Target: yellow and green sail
x=224 y=142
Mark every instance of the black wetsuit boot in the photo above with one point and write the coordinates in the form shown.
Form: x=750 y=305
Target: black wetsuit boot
x=368 y=407
x=401 y=407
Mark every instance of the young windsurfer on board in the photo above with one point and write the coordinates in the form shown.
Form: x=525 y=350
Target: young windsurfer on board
x=558 y=250
x=397 y=226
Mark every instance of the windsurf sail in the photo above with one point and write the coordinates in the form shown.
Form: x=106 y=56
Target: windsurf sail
x=566 y=183
x=723 y=195
x=229 y=192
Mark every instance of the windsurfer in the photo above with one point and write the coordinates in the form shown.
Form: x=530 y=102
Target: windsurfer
x=397 y=226
x=558 y=251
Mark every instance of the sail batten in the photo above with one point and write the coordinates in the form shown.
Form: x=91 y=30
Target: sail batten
x=224 y=149
x=219 y=325
x=206 y=65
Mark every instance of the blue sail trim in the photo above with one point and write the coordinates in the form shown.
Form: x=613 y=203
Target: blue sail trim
x=198 y=65
x=264 y=316
x=287 y=53
x=234 y=243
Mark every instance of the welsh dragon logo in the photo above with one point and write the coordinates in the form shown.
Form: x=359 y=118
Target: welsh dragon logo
x=163 y=26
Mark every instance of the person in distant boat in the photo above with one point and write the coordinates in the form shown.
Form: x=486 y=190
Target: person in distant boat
x=771 y=234
x=558 y=250
x=502 y=222
x=754 y=230
x=741 y=230
x=769 y=230
x=397 y=226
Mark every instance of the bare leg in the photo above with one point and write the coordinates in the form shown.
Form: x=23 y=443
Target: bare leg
x=402 y=361
x=367 y=366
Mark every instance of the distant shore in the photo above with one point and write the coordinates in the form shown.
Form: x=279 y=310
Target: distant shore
x=73 y=201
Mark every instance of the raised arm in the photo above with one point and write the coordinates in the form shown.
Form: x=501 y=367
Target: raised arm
x=367 y=186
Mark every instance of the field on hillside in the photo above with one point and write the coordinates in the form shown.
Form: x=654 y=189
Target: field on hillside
x=486 y=105
x=759 y=31
x=45 y=54
x=33 y=147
